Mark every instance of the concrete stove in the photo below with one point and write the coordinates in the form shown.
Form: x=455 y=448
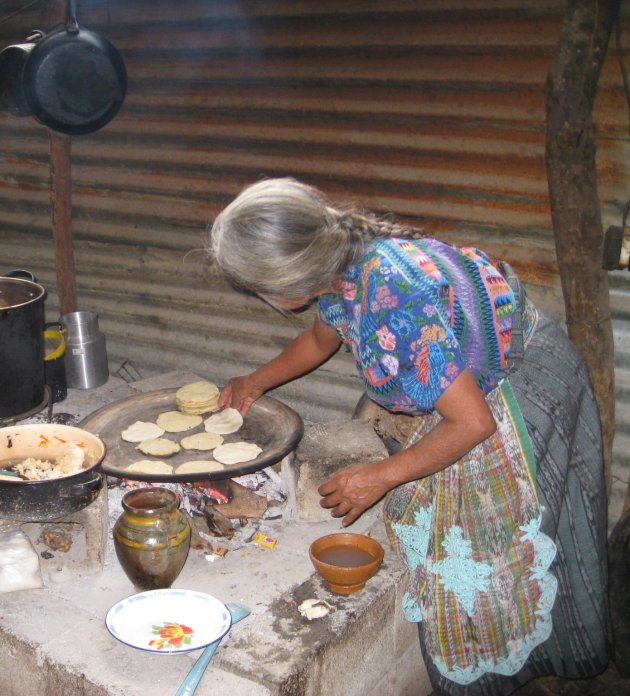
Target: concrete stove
x=53 y=640
x=77 y=543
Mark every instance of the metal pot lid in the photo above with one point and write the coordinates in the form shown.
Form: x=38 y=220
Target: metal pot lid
x=16 y=292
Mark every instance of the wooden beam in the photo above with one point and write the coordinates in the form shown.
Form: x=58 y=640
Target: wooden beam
x=54 y=13
x=575 y=210
x=61 y=201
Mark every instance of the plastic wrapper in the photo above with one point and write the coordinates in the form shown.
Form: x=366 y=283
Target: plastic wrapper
x=19 y=562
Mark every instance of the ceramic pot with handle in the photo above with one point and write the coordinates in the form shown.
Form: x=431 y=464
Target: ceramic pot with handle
x=12 y=61
x=47 y=499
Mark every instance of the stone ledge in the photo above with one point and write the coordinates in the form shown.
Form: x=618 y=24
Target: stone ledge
x=355 y=645
x=326 y=448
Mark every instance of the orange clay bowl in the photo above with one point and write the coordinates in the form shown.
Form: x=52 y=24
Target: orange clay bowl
x=346 y=561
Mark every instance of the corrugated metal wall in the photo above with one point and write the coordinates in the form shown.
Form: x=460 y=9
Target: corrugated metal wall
x=434 y=111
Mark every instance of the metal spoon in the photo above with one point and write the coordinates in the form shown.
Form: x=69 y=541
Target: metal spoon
x=190 y=683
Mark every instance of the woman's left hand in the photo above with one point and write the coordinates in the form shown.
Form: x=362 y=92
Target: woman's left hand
x=351 y=491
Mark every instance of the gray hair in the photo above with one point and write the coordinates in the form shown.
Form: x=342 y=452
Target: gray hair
x=281 y=240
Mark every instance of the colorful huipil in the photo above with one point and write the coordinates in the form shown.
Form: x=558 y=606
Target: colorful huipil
x=415 y=314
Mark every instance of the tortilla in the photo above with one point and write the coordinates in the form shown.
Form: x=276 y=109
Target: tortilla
x=201 y=441
x=150 y=466
x=199 y=466
x=141 y=430
x=197 y=397
x=177 y=422
x=159 y=447
x=236 y=452
x=225 y=422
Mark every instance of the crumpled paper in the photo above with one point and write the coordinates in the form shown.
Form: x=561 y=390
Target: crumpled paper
x=315 y=608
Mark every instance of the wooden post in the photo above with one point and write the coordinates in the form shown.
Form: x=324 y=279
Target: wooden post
x=55 y=12
x=61 y=201
x=571 y=172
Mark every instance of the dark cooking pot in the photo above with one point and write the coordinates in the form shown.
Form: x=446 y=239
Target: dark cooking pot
x=22 y=378
x=74 y=80
x=12 y=62
x=49 y=499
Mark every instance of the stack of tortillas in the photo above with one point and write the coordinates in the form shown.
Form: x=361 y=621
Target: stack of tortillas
x=198 y=398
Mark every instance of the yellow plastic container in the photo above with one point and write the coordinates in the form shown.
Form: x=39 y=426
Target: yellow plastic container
x=54 y=367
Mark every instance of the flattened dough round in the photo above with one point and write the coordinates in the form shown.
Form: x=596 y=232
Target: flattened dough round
x=141 y=430
x=177 y=422
x=225 y=422
x=159 y=447
x=199 y=466
x=150 y=466
x=201 y=441
x=236 y=452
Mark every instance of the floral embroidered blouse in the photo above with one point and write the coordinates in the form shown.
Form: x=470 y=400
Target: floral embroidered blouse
x=415 y=314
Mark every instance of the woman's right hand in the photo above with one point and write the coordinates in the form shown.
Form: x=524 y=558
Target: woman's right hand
x=240 y=393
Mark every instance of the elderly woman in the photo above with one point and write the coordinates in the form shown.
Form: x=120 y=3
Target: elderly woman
x=496 y=502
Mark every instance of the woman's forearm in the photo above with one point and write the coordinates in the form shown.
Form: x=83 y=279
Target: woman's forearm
x=306 y=352
x=310 y=349
x=466 y=422
x=441 y=447
x=297 y=359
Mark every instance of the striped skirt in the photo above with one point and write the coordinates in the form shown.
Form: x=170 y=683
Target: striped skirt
x=557 y=410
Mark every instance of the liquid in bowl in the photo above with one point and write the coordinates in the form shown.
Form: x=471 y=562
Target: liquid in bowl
x=345 y=557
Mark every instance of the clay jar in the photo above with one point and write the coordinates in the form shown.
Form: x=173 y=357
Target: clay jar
x=151 y=538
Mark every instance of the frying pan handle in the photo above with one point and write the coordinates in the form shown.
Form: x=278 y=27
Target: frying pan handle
x=72 y=26
x=85 y=487
x=35 y=36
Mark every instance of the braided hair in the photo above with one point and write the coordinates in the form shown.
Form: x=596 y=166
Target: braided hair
x=281 y=240
x=369 y=226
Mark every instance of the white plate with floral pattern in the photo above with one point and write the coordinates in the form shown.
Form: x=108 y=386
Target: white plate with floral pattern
x=168 y=621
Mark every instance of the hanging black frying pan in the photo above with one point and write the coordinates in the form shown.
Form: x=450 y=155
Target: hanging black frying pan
x=74 y=79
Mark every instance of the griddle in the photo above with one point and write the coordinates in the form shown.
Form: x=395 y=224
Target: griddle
x=269 y=423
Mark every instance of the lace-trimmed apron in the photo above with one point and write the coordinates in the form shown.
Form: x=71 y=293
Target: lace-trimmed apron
x=470 y=535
